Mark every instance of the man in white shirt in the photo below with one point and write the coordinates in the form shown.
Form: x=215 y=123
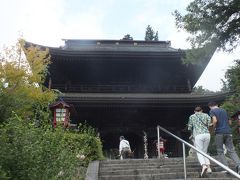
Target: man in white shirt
x=124 y=148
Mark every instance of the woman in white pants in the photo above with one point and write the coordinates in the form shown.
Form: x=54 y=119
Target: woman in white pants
x=198 y=123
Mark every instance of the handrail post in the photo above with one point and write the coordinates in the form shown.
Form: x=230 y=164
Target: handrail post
x=201 y=152
x=184 y=162
x=158 y=142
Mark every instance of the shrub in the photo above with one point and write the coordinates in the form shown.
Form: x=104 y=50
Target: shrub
x=28 y=152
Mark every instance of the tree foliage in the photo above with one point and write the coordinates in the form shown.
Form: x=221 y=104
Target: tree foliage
x=127 y=37
x=201 y=91
x=21 y=82
x=156 y=36
x=150 y=35
x=233 y=77
x=199 y=55
x=232 y=104
x=212 y=21
x=28 y=152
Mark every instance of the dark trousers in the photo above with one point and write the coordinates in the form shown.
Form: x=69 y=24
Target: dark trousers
x=125 y=153
x=227 y=140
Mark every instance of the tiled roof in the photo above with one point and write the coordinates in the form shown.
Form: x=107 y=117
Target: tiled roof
x=119 y=45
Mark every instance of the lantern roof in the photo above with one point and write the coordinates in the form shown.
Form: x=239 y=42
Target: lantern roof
x=60 y=104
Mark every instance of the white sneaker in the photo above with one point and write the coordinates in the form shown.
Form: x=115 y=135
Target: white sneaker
x=223 y=171
x=204 y=170
x=209 y=170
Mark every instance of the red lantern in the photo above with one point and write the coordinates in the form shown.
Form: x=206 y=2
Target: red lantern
x=61 y=113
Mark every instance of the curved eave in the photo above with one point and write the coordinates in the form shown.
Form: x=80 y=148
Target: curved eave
x=142 y=99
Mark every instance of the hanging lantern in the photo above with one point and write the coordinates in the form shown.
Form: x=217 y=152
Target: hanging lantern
x=61 y=113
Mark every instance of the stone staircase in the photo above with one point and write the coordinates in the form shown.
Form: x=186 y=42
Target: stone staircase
x=151 y=169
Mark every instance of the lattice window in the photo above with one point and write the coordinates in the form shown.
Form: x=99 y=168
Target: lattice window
x=60 y=114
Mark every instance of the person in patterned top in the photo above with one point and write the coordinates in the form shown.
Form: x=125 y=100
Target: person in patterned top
x=198 y=124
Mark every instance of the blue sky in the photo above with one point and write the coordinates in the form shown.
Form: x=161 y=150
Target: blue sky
x=47 y=22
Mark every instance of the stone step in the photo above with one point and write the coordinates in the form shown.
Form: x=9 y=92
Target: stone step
x=126 y=162
x=152 y=166
x=169 y=160
x=134 y=166
x=191 y=175
x=145 y=163
x=156 y=178
x=145 y=167
x=150 y=161
x=152 y=171
x=144 y=171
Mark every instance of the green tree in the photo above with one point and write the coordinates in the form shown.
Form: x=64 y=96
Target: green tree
x=150 y=35
x=212 y=22
x=225 y=87
x=21 y=82
x=232 y=104
x=201 y=91
x=28 y=152
x=233 y=76
x=199 y=56
x=156 y=36
x=127 y=37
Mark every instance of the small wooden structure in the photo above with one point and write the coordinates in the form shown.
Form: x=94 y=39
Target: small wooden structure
x=61 y=113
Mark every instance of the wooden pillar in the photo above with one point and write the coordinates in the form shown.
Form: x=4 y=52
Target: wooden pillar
x=50 y=83
x=189 y=85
